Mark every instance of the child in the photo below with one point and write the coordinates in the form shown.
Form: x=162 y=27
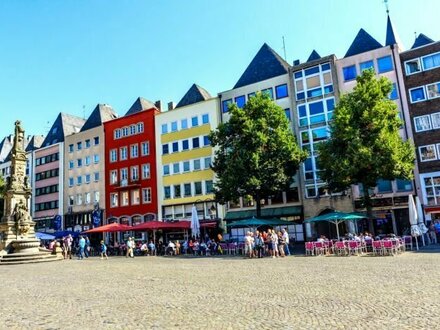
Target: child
x=103 y=250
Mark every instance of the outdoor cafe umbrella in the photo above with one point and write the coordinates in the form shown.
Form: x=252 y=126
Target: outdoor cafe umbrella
x=110 y=228
x=413 y=219
x=256 y=222
x=336 y=218
x=195 y=223
x=421 y=222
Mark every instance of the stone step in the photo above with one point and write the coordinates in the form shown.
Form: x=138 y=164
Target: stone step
x=18 y=262
x=24 y=254
x=23 y=258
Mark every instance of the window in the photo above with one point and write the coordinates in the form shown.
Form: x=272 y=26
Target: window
x=195 y=121
x=114 y=199
x=134 y=151
x=145 y=171
x=412 y=66
x=417 y=94
x=96 y=196
x=96 y=176
x=433 y=90
x=166 y=170
x=134 y=173
x=135 y=197
x=79 y=162
x=132 y=129
x=281 y=91
x=124 y=198
x=165 y=149
x=288 y=115
x=71 y=200
x=113 y=176
x=87 y=178
x=208 y=187
x=71 y=164
x=349 y=72
x=125 y=131
x=422 y=123
x=87 y=143
x=176 y=168
x=124 y=176
x=177 y=191
x=78 y=145
x=78 y=199
x=432 y=189
x=113 y=155
x=70 y=148
x=268 y=92
x=403 y=185
x=205 y=119
x=167 y=192
x=140 y=127
x=207 y=162
x=185 y=145
x=123 y=153
x=431 y=61
x=196 y=164
x=175 y=146
x=250 y=95
x=240 y=101
x=394 y=95
x=384 y=186
x=312 y=70
x=71 y=182
x=174 y=126
x=427 y=153
x=146 y=195
x=186 y=166
x=145 y=148
x=79 y=180
x=184 y=124
x=225 y=105
x=87 y=161
x=87 y=198
x=96 y=158
x=164 y=128
x=187 y=189
x=117 y=133
x=96 y=140
x=198 y=188
x=206 y=141
x=435 y=119
x=366 y=65
x=384 y=64
x=195 y=142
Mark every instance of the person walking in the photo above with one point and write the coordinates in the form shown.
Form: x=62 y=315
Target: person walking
x=130 y=244
x=103 y=249
x=286 y=241
x=87 y=247
x=281 y=243
x=81 y=247
x=67 y=245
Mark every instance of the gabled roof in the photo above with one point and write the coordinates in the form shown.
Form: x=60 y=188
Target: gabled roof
x=193 y=95
x=362 y=43
x=391 y=37
x=5 y=147
x=34 y=142
x=63 y=126
x=265 y=65
x=421 y=40
x=99 y=115
x=139 y=105
x=313 y=56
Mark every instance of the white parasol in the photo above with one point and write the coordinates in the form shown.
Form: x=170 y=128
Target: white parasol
x=195 y=223
x=413 y=219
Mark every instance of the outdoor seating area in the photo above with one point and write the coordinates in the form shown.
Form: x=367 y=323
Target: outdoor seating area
x=380 y=247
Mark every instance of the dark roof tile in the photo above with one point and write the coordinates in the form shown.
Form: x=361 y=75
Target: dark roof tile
x=313 y=56
x=139 y=105
x=99 y=115
x=362 y=43
x=193 y=95
x=422 y=40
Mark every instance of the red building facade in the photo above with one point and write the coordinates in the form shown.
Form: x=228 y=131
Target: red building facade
x=130 y=168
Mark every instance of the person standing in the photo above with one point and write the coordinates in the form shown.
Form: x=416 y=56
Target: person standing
x=286 y=241
x=129 y=248
x=81 y=247
x=281 y=243
x=259 y=244
x=67 y=242
x=103 y=250
x=87 y=247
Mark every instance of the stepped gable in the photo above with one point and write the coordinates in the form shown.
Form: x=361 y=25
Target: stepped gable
x=313 y=56
x=139 y=105
x=99 y=115
x=363 y=42
x=422 y=40
x=265 y=65
x=193 y=95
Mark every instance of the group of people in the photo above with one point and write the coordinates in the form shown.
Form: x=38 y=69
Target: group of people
x=271 y=243
x=81 y=247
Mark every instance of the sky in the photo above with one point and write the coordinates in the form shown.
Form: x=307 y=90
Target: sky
x=67 y=56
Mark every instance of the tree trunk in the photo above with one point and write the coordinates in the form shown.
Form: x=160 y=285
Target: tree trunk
x=369 y=207
x=258 y=203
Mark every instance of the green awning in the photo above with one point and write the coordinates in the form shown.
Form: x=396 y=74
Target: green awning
x=265 y=213
x=254 y=222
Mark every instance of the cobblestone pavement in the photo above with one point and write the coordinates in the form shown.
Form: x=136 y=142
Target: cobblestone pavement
x=224 y=293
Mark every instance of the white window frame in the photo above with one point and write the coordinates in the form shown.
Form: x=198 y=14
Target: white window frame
x=423 y=66
x=113 y=152
x=145 y=145
x=135 y=201
x=146 y=192
x=426 y=146
x=427 y=90
x=113 y=176
x=125 y=201
x=410 y=96
x=436 y=114
x=123 y=152
x=134 y=150
x=411 y=60
x=146 y=171
x=422 y=130
x=114 y=199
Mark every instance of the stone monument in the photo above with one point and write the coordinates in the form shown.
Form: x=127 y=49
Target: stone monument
x=18 y=243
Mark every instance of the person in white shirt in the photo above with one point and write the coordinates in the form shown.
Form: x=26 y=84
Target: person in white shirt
x=248 y=245
x=286 y=240
x=171 y=248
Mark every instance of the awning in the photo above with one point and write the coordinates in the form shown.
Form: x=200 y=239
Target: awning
x=432 y=209
x=162 y=225
x=265 y=212
x=110 y=228
x=255 y=222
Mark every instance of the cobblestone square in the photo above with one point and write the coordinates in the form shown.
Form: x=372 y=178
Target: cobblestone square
x=224 y=293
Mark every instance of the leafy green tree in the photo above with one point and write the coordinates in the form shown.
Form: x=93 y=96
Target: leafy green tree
x=2 y=187
x=257 y=153
x=365 y=144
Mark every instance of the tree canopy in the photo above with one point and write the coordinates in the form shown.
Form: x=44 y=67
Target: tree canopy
x=364 y=144
x=256 y=154
x=2 y=187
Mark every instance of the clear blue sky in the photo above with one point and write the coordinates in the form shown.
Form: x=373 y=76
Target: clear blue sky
x=70 y=55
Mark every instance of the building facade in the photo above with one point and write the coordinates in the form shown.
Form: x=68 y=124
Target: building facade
x=84 y=175
x=421 y=67
x=185 y=177
x=130 y=165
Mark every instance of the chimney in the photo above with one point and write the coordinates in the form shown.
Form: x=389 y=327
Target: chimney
x=171 y=106
x=296 y=62
x=158 y=105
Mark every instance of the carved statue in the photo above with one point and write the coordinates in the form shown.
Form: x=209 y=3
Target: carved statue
x=21 y=214
x=19 y=137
